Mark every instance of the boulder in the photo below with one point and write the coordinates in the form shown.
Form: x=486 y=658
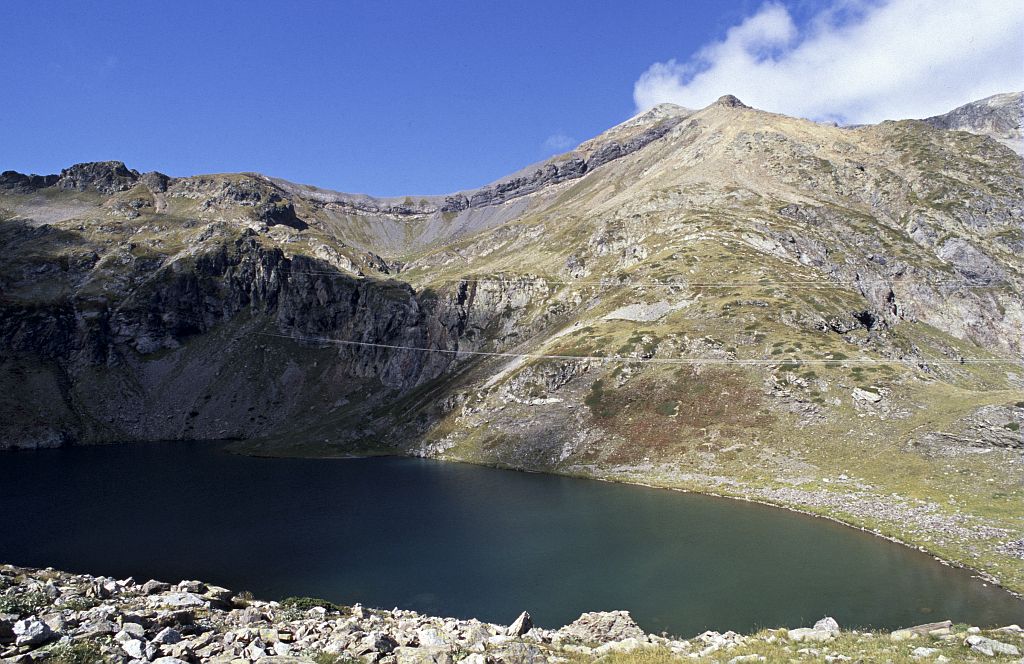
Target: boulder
x=7 y=621
x=623 y=646
x=423 y=655
x=167 y=636
x=810 y=634
x=134 y=648
x=32 y=632
x=521 y=625
x=181 y=600
x=990 y=647
x=106 y=177
x=921 y=630
x=603 y=627
x=828 y=623
x=429 y=637
x=133 y=629
x=152 y=587
x=866 y=395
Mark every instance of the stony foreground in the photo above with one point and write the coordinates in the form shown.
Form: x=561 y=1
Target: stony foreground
x=47 y=615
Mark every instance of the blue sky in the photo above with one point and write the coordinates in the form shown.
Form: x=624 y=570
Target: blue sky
x=387 y=98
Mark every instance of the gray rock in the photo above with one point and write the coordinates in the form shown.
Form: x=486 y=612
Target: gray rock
x=810 y=634
x=517 y=653
x=96 y=628
x=167 y=636
x=990 y=647
x=106 y=177
x=866 y=395
x=521 y=625
x=181 y=600
x=134 y=648
x=920 y=630
x=32 y=632
x=828 y=623
x=921 y=652
x=152 y=587
x=603 y=627
x=430 y=637
x=623 y=646
x=423 y=655
x=133 y=629
x=7 y=621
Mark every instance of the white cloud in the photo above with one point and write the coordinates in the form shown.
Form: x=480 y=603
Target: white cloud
x=856 y=61
x=558 y=142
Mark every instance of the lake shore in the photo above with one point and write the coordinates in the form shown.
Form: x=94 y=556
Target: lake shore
x=61 y=617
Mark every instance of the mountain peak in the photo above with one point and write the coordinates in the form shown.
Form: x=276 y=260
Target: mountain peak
x=730 y=101
x=998 y=116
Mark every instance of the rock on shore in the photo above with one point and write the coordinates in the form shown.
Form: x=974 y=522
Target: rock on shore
x=48 y=615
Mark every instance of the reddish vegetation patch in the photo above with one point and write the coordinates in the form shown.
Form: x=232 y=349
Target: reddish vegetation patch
x=662 y=416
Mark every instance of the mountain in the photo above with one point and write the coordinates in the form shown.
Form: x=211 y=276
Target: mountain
x=998 y=116
x=722 y=300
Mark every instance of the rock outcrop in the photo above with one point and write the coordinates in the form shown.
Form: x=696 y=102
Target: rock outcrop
x=105 y=177
x=999 y=116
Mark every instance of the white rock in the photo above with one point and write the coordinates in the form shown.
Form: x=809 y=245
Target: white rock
x=429 y=637
x=828 y=624
x=167 y=636
x=134 y=629
x=180 y=600
x=623 y=646
x=990 y=647
x=521 y=625
x=133 y=648
x=921 y=651
x=866 y=395
x=809 y=634
x=32 y=632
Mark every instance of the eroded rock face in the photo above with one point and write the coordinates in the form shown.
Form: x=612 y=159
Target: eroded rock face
x=21 y=183
x=998 y=116
x=299 y=298
x=106 y=177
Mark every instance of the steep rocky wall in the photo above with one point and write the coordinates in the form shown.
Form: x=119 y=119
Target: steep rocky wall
x=206 y=348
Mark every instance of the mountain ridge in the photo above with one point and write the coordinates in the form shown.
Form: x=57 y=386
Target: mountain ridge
x=723 y=300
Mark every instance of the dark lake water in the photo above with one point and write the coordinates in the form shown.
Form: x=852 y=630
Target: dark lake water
x=467 y=541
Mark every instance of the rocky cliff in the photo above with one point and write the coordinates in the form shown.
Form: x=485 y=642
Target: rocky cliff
x=720 y=299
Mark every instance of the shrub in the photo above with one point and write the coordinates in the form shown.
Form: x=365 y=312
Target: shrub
x=80 y=603
x=332 y=658
x=80 y=652
x=307 y=603
x=25 y=604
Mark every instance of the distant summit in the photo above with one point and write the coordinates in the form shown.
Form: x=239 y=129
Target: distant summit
x=998 y=116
